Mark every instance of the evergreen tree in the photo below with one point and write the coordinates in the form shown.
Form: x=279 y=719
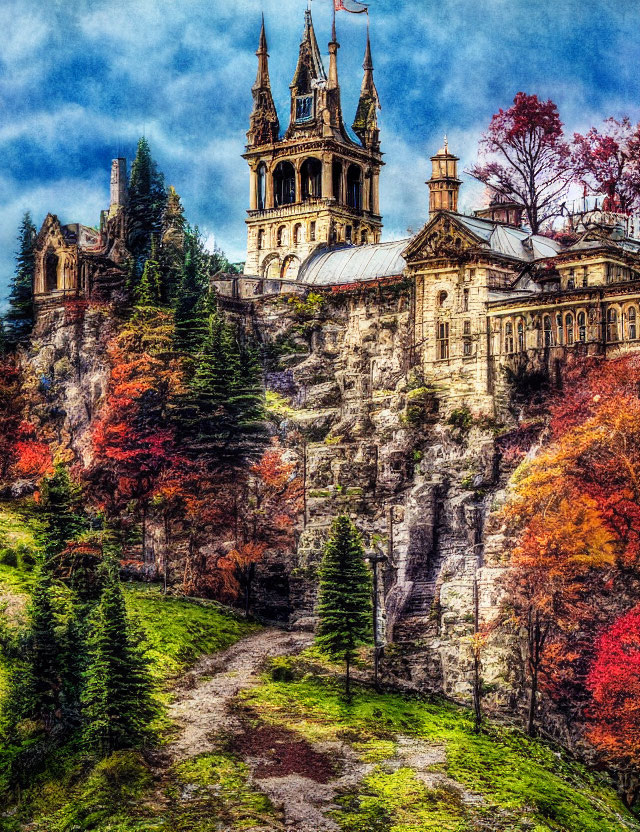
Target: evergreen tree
x=345 y=605
x=117 y=698
x=19 y=317
x=195 y=300
x=172 y=248
x=60 y=509
x=147 y=292
x=145 y=207
x=41 y=698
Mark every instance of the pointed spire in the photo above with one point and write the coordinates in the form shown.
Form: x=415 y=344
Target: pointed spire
x=309 y=67
x=365 y=125
x=333 y=55
x=264 y=126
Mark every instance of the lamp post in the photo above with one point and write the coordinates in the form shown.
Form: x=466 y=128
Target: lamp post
x=374 y=559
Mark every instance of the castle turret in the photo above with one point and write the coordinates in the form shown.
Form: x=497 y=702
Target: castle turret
x=365 y=125
x=118 y=190
x=264 y=126
x=444 y=183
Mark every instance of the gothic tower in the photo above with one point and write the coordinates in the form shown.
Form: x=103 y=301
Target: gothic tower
x=444 y=183
x=316 y=185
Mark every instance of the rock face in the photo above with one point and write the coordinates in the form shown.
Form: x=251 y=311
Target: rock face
x=417 y=472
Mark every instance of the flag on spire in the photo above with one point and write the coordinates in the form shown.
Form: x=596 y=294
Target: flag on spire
x=350 y=6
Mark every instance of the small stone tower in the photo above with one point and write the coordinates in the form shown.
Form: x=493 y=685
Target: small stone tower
x=317 y=184
x=444 y=183
x=118 y=197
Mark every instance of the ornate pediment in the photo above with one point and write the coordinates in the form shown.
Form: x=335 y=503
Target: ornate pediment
x=51 y=234
x=442 y=237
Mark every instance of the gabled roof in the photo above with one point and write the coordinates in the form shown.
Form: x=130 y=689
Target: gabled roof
x=337 y=265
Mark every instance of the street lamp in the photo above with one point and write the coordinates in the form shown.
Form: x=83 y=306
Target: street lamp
x=374 y=559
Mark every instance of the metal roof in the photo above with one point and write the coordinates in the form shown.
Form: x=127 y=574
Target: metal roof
x=350 y=264
x=510 y=241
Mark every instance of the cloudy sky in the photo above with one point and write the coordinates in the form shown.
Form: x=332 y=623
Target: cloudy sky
x=80 y=81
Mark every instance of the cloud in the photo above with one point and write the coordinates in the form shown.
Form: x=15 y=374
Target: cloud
x=80 y=80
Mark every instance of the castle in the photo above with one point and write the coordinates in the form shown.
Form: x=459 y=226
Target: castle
x=485 y=293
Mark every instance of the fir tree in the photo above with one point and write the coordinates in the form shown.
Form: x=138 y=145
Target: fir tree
x=41 y=699
x=146 y=205
x=194 y=298
x=147 y=292
x=172 y=248
x=117 y=698
x=344 y=607
x=60 y=509
x=19 y=317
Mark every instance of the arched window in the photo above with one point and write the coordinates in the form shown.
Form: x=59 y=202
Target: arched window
x=612 y=324
x=547 y=331
x=559 y=330
x=632 y=331
x=336 y=177
x=442 y=297
x=364 y=237
x=520 y=335
x=297 y=234
x=311 y=177
x=508 y=337
x=582 y=327
x=568 y=327
x=284 y=184
x=354 y=187
x=594 y=326
x=281 y=237
x=261 y=238
x=51 y=272
x=262 y=186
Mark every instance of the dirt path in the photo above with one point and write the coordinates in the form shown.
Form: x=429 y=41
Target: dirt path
x=201 y=699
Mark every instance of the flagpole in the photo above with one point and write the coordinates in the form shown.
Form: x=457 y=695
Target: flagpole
x=333 y=26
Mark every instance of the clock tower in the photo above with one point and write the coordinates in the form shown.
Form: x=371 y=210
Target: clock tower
x=318 y=184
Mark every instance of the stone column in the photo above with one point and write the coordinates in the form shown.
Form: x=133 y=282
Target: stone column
x=269 y=188
x=253 y=188
x=375 y=184
x=327 y=177
x=298 y=181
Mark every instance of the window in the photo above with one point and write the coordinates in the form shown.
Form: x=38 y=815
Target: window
x=51 y=272
x=612 y=325
x=582 y=327
x=547 y=332
x=354 y=187
x=311 y=178
x=336 y=175
x=520 y=335
x=442 y=297
x=465 y=300
x=508 y=337
x=571 y=282
x=281 y=236
x=348 y=233
x=466 y=328
x=261 y=238
x=472 y=274
x=304 y=108
x=466 y=341
x=262 y=186
x=568 y=326
x=297 y=234
x=632 y=324
x=312 y=231
x=443 y=340
x=609 y=277
x=284 y=184
x=559 y=331
x=585 y=276
x=364 y=237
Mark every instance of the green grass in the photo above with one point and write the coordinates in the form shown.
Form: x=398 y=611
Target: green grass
x=530 y=784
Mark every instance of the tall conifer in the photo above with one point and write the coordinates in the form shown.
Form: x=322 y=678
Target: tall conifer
x=146 y=205
x=60 y=509
x=118 y=702
x=345 y=604
x=172 y=247
x=19 y=317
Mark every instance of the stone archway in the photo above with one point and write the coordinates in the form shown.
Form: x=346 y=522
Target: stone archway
x=290 y=267
x=51 y=262
x=270 y=268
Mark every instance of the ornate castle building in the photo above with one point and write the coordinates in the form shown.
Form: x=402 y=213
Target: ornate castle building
x=317 y=183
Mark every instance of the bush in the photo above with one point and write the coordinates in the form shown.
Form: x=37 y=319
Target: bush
x=8 y=557
x=281 y=669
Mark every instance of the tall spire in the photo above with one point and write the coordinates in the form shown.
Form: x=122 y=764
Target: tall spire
x=333 y=55
x=264 y=126
x=365 y=125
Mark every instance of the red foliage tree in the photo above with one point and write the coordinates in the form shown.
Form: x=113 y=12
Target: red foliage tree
x=526 y=158
x=607 y=161
x=614 y=683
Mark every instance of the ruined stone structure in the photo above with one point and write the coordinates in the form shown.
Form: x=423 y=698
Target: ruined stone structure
x=317 y=184
x=75 y=261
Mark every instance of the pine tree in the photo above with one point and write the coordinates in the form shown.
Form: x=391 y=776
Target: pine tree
x=190 y=314
x=19 y=317
x=44 y=655
x=118 y=701
x=147 y=292
x=172 y=247
x=60 y=509
x=146 y=205
x=345 y=605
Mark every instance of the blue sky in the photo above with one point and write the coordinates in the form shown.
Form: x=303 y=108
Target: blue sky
x=80 y=81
